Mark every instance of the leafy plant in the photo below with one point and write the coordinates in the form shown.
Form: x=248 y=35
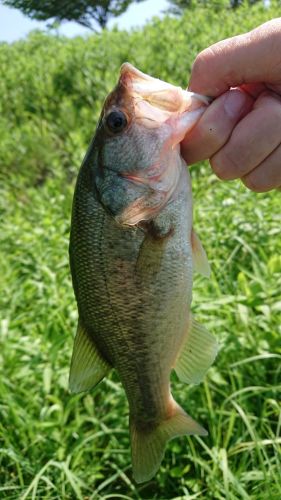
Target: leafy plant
x=57 y=446
x=85 y=12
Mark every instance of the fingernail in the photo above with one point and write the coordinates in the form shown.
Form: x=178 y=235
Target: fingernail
x=234 y=103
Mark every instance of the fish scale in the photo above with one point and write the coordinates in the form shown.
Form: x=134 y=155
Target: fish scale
x=132 y=250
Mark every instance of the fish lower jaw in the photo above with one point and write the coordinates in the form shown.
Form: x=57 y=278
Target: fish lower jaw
x=164 y=185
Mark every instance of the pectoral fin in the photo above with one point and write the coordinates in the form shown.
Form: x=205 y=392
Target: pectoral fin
x=88 y=367
x=199 y=256
x=197 y=355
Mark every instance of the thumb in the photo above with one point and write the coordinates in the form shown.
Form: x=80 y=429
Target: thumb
x=248 y=58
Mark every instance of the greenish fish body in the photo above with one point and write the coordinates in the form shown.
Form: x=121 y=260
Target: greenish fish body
x=132 y=254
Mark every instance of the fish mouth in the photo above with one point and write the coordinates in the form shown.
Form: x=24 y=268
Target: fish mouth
x=155 y=99
x=150 y=103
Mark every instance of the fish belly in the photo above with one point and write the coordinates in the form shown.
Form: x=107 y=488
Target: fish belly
x=134 y=292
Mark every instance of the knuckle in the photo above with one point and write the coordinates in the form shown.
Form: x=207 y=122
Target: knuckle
x=202 y=61
x=271 y=98
x=226 y=165
x=218 y=170
x=254 y=183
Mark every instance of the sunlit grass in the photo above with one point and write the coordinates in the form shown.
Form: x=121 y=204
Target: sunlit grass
x=57 y=446
x=54 y=445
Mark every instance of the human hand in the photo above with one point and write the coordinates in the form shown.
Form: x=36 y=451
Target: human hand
x=240 y=132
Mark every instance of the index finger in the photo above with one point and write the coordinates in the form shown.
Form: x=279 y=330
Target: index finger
x=252 y=57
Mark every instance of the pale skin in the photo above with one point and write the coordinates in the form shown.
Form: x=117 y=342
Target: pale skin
x=240 y=132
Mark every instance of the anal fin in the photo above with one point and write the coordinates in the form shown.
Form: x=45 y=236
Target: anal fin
x=88 y=367
x=197 y=355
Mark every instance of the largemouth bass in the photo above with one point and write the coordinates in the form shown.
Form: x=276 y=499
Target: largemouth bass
x=132 y=255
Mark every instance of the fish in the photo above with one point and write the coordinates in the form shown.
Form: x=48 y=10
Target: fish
x=133 y=251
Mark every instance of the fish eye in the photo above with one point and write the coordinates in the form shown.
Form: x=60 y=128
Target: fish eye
x=116 y=121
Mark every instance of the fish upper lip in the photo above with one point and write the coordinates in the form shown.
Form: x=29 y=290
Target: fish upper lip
x=160 y=95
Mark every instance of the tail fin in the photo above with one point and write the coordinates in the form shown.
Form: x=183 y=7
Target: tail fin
x=148 y=446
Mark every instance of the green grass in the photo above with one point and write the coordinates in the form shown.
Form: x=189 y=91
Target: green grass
x=52 y=87
x=57 y=446
x=54 y=445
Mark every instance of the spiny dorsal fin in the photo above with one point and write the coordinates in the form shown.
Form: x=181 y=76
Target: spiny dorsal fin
x=197 y=355
x=199 y=256
x=88 y=367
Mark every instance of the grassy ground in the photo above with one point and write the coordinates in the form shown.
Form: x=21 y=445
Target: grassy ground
x=57 y=446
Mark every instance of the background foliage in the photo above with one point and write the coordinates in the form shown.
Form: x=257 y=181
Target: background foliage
x=178 y=6
x=54 y=445
x=88 y=13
